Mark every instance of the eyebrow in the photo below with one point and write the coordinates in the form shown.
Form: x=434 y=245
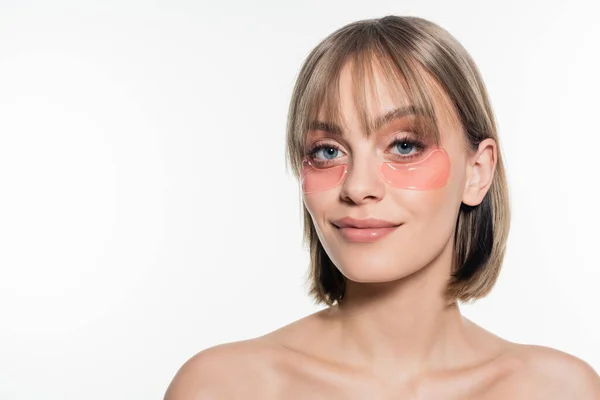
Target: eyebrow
x=381 y=121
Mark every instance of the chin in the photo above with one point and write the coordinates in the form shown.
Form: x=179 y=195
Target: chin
x=369 y=269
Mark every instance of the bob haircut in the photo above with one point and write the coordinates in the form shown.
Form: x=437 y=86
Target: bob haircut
x=409 y=50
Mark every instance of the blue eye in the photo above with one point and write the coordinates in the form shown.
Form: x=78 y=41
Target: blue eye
x=407 y=149
x=329 y=153
x=404 y=147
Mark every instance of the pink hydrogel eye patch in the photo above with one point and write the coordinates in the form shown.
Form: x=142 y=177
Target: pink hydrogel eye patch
x=316 y=179
x=431 y=172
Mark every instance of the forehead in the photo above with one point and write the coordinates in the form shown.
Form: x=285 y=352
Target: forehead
x=376 y=95
x=381 y=92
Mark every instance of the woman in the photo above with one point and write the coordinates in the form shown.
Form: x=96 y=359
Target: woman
x=393 y=139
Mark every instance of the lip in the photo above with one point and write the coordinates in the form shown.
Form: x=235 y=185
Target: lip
x=365 y=235
x=364 y=230
x=369 y=223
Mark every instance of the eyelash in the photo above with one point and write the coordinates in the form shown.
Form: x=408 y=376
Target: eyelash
x=418 y=145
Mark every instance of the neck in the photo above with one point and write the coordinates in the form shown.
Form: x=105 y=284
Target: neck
x=408 y=323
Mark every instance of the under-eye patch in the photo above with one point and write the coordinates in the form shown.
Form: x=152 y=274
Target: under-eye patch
x=431 y=172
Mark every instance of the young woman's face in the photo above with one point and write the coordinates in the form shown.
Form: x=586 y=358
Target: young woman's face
x=385 y=176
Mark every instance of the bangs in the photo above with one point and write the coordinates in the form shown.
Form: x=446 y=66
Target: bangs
x=317 y=102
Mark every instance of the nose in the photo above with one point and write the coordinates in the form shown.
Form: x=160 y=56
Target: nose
x=363 y=181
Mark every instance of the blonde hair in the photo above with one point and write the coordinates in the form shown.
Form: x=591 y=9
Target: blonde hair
x=409 y=49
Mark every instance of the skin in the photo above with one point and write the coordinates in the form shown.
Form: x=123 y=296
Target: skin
x=395 y=335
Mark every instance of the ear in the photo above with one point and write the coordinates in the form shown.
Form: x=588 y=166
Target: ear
x=480 y=172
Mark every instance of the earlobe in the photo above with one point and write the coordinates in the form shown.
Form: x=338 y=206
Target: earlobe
x=480 y=173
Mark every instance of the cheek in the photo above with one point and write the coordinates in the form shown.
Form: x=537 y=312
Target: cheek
x=311 y=203
x=431 y=215
x=318 y=205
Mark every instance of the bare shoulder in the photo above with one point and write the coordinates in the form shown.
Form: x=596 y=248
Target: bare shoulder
x=241 y=369
x=253 y=368
x=552 y=374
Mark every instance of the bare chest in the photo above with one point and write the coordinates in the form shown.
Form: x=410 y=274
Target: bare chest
x=303 y=390
x=326 y=385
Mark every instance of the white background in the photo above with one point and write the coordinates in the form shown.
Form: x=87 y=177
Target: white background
x=145 y=208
